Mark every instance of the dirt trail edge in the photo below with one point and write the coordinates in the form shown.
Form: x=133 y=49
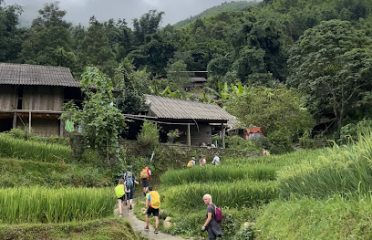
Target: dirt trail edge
x=139 y=225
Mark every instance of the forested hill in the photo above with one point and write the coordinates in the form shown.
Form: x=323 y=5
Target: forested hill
x=321 y=48
x=224 y=7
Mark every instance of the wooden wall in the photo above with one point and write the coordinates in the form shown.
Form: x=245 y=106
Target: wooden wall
x=42 y=127
x=198 y=136
x=8 y=97
x=43 y=98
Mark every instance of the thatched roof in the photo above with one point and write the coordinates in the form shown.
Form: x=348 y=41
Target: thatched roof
x=168 y=108
x=24 y=74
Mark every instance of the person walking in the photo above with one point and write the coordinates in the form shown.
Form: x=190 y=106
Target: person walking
x=152 y=208
x=216 y=160
x=211 y=225
x=130 y=181
x=120 y=195
x=145 y=178
x=191 y=163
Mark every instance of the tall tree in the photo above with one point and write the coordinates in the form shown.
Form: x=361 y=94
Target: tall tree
x=146 y=26
x=332 y=64
x=10 y=35
x=49 y=39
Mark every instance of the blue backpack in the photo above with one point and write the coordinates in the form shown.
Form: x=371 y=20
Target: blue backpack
x=129 y=181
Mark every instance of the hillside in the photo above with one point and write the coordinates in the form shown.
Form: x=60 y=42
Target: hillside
x=224 y=7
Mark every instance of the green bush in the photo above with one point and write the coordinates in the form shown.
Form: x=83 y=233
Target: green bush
x=24 y=135
x=243 y=193
x=217 y=174
x=148 y=138
x=237 y=142
x=306 y=219
x=37 y=204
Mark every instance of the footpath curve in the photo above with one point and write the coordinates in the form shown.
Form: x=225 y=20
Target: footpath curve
x=138 y=226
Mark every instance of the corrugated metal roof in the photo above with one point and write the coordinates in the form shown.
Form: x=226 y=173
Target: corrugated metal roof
x=25 y=74
x=168 y=108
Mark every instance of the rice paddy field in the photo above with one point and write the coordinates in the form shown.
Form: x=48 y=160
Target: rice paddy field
x=45 y=194
x=307 y=194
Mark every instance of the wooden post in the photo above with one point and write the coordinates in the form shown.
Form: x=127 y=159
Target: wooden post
x=29 y=115
x=223 y=135
x=61 y=127
x=14 y=120
x=188 y=134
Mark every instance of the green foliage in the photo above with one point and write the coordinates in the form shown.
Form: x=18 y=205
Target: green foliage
x=131 y=87
x=332 y=64
x=24 y=135
x=49 y=39
x=343 y=170
x=210 y=174
x=148 y=138
x=313 y=219
x=239 y=143
x=107 y=228
x=350 y=132
x=278 y=111
x=100 y=119
x=37 y=204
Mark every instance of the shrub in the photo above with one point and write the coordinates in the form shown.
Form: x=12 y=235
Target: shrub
x=236 y=142
x=148 y=138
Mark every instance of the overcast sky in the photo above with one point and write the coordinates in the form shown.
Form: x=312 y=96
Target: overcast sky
x=79 y=11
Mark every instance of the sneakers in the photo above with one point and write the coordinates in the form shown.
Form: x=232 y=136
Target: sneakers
x=147 y=228
x=130 y=207
x=156 y=231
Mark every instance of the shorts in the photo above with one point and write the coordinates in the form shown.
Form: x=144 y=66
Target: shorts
x=130 y=194
x=153 y=211
x=145 y=182
x=122 y=198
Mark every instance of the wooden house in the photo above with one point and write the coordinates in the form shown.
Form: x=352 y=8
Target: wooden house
x=32 y=97
x=195 y=121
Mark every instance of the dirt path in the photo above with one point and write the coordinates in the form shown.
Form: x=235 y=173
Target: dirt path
x=139 y=225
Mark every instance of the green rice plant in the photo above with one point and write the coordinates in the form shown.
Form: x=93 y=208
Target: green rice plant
x=277 y=161
x=38 y=204
x=217 y=174
x=244 y=193
x=345 y=170
x=16 y=172
x=18 y=148
x=331 y=219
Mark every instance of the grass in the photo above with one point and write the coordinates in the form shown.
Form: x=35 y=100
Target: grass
x=217 y=174
x=42 y=152
x=102 y=229
x=30 y=173
x=331 y=219
x=243 y=193
x=342 y=170
x=38 y=204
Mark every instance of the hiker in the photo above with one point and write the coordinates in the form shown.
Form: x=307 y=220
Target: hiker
x=130 y=181
x=216 y=160
x=120 y=195
x=211 y=225
x=152 y=207
x=145 y=178
x=202 y=161
x=265 y=152
x=191 y=163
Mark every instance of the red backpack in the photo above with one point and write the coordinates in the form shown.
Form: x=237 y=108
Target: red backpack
x=218 y=216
